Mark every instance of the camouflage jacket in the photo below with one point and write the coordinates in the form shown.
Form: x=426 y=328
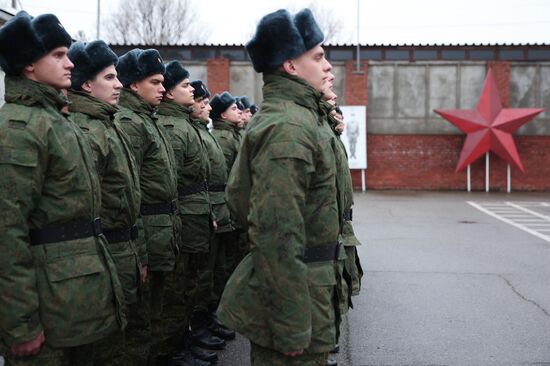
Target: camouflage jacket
x=118 y=175
x=68 y=289
x=344 y=175
x=157 y=177
x=217 y=179
x=283 y=190
x=191 y=158
x=229 y=139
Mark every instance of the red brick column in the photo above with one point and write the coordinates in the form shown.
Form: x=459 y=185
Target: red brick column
x=217 y=75
x=356 y=91
x=501 y=71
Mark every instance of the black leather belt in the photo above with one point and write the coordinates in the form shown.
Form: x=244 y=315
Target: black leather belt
x=195 y=188
x=71 y=231
x=321 y=253
x=121 y=235
x=216 y=188
x=159 y=208
x=348 y=214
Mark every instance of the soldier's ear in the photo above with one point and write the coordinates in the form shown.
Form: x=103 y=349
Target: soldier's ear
x=29 y=69
x=86 y=86
x=289 y=68
x=169 y=95
x=134 y=87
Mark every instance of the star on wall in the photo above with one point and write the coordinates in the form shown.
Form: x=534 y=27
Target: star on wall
x=489 y=126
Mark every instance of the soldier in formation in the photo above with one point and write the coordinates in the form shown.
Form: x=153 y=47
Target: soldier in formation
x=133 y=235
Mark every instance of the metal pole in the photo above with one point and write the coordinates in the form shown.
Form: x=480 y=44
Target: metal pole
x=363 y=185
x=487 y=171
x=98 y=17
x=358 y=68
x=469 y=183
x=509 y=176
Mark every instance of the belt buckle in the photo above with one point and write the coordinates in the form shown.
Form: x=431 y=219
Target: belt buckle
x=96 y=226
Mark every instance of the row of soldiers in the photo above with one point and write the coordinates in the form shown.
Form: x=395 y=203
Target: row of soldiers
x=116 y=224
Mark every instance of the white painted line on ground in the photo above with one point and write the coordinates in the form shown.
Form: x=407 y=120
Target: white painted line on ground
x=528 y=211
x=510 y=222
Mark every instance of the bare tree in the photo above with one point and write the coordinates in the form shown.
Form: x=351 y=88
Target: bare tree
x=332 y=26
x=154 y=22
x=80 y=36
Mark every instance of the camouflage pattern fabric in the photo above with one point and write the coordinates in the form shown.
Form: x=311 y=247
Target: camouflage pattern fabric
x=117 y=169
x=157 y=172
x=227 y=135
x=69 y=289
x=273 y=297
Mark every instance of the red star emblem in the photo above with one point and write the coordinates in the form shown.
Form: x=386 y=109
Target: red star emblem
x=489 y=127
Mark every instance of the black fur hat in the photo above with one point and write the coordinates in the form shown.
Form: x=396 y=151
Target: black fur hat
x=89 y=59
x=253 y=109
x=220 y=103
x=280 y=37
x=201 y=91
x=137 y=64
x=175 y=74
x=245 y=102
x=24 y=39
x=240 y=104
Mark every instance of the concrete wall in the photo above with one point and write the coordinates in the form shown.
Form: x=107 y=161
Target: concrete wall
x=403 y=95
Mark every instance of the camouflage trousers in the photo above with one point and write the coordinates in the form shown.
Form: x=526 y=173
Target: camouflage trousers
x=233 y=252
x=261 y=356
x=94 y=354
x=219 y=274
x=182 y=289
x=137 y=343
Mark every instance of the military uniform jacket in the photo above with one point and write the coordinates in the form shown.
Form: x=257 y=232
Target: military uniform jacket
x=344 y=175
x=69 y=289
x=229 y=139
x=119 y=179
x=217 y=179
x=283 y=190
x=157 y=176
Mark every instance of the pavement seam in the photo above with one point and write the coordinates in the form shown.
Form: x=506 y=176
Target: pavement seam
x=523 y=297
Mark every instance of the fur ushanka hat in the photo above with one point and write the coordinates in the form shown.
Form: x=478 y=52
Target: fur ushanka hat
x=89 y=59
x=175 y=74
x=201 y=91
x=280 y=37
x=138 y=64
x=245 y=102
x=24 y=39
x=220 y=103
x=253 y=109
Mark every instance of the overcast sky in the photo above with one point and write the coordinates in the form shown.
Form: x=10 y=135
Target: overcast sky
x=381 y=21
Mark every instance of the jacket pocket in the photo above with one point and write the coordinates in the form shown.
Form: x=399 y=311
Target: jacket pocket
x=161 y=241
x=76 y=297
x=322 y=281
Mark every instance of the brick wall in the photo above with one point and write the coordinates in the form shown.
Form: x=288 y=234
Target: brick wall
x=217 y=75
x=356 y=84
x=428 y=162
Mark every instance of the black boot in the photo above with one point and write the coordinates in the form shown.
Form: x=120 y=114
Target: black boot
x=203 y=338
x=200 y=334
x=186 y=358
x=198 y=352
x=336 y=349
x=220 y=330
